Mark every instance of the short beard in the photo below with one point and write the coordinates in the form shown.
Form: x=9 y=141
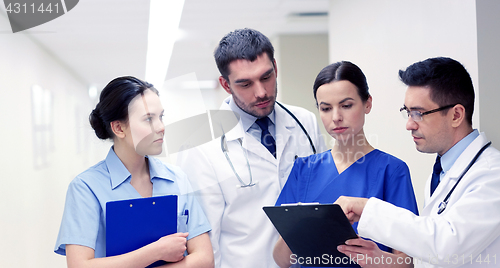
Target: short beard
x=246 y=108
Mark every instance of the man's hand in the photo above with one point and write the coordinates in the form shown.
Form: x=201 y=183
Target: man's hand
x=352 y=207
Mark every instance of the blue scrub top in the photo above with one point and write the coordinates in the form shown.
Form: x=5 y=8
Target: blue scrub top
x=84 y=217
x=316 y=179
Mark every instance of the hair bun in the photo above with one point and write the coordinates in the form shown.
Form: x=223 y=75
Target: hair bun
x=98 y=125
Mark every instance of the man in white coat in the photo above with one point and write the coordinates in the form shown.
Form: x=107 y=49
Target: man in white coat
x=459 y=225
x=244 y=170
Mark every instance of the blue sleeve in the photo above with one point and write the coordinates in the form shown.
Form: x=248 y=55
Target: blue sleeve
x=398 y=189
x=289 y=193
x=191 y=217
x=81 y=218
x=196 y=220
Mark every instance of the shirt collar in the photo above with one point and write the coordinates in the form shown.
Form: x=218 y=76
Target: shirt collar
x=247 y=120
x=158 y=170
x=449 y=158
x=118 y=172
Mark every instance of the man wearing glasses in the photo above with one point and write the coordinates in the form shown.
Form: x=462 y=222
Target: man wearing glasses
x=459 y=225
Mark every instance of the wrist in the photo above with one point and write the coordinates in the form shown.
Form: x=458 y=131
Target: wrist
x=152 y=251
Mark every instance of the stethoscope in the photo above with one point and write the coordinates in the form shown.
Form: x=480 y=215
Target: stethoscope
x=223 y=145
x=442 y=205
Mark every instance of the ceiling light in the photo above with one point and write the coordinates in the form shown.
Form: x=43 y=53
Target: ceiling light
x=164 y=19
x=92 y=92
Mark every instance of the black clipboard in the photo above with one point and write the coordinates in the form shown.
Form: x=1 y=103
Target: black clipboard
x=313 y=230
x=134 y=223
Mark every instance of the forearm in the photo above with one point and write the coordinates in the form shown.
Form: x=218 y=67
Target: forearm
x=200 y=254
x=441 y=236
x=282 y=253
x=83 y=257
x=194 y=260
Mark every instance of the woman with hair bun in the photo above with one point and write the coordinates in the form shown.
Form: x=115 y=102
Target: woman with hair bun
x=130 y=114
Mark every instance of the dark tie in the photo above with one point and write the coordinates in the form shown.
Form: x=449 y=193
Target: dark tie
x=266 y=138
x=435 y=174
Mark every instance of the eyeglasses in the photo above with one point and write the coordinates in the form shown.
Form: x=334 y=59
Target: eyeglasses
x=417 y=116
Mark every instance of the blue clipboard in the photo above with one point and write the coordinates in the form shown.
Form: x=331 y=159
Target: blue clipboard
x=134 y=223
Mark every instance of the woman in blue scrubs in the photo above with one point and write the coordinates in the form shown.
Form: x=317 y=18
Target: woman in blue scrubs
x=352 y=167
x=130 y=114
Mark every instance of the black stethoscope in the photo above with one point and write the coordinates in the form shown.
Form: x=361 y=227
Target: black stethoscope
x=442 y=205
x=224 y=149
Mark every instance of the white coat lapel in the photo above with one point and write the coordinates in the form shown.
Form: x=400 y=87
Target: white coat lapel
x=253 y=146
x=285 y=125
x=237 y=132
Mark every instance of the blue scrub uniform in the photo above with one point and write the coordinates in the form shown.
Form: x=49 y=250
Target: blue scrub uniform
x=316 y=179
x=84 y=218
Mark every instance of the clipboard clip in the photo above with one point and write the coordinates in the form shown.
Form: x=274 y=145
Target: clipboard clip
x=300 y=204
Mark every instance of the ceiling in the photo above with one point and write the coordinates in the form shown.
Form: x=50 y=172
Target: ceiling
x=99 y=40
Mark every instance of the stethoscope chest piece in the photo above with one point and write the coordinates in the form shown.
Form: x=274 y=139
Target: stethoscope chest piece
x=442 y=207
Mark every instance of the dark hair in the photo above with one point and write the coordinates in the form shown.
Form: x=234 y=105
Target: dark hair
x=448 y=81
x=113 y=103
x=244 y=44
x=339 y=71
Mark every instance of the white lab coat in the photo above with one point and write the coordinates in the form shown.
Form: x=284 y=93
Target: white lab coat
x=465 y=235
x=242 y=235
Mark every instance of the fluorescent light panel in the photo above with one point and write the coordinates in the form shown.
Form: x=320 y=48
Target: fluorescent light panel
x=164 y=19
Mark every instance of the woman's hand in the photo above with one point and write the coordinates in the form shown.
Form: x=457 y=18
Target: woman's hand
x=172 y=247
x=200 y=254
x=282 y=253
x=367 y=254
